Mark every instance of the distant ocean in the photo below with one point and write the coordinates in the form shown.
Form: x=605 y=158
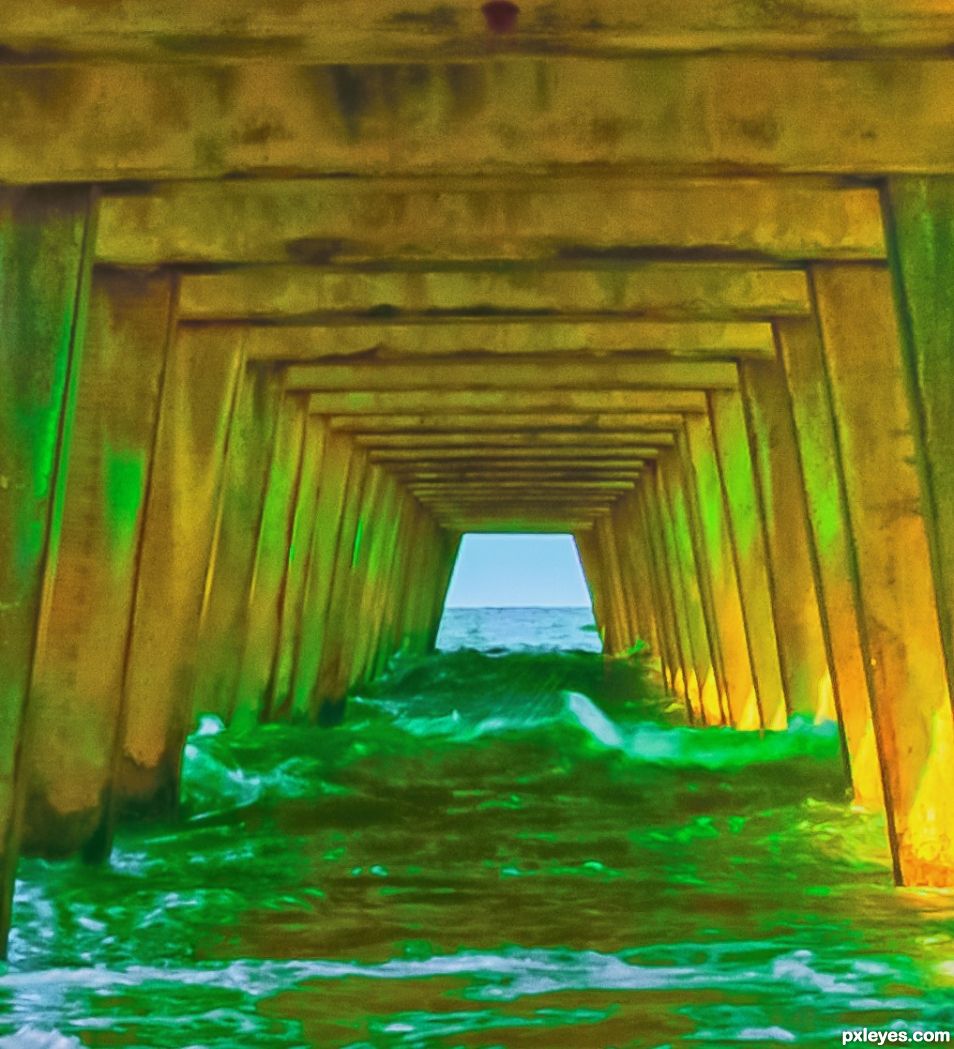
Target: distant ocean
x=540 y=628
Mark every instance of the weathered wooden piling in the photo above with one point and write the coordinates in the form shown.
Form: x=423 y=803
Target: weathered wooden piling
x=46 y=239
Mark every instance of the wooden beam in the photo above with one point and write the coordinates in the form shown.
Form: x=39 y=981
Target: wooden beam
x=700 y=114
x=451 y=472
x=437 y=338
x=379 y=221
x=493 y=488
x=515 y=376
x=517 y=524
x=660 y=291
x=442 y=402
x=524 y=497
x=531 y=425
x=515 y=441
x=415 y=30
x=529 y=336
x=584 y=453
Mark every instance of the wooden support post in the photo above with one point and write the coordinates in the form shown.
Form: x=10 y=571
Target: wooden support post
x=399 y=582
x=390 y=605
x=334 y=483
x=198 y=399
x=417 y=556
x=421 y=584
x=801 y=355
x=76 y=706
x=702 y=687
x=680 y=659
x=46 y=240
x=279 y=696
x=668 y=641
x=901 y=634
x=353 y=623
x=601 y=534
x=447 y=544
x=687 y=680
x=636 y=553
x=270 y=570
x=634 y=599
x=587 y=543
x=224 y=622
x=369 y=637
x=624 y=581
x=620 y=581
x=328 y=693
x=802 y=650
x=919 y=215
x=727 y=620
x=751 y=559
x=716 y=699
x=381 y=562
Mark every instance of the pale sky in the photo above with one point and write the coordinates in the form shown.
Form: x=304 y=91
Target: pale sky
x=517 y=570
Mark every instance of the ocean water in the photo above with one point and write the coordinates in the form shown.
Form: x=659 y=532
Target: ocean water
x=518 y=628
x=504 y=845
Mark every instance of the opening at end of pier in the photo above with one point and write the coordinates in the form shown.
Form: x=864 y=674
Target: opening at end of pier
x=518 y=591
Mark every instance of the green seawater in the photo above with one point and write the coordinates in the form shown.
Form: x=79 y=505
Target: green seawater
x=496 y=849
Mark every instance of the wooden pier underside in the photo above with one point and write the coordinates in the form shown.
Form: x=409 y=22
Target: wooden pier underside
x=289 y=301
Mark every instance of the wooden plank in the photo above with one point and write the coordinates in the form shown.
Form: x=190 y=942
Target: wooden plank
x=515 y=375
x=440 y=403
x=460 y=458
x=498 y=486
x=541 y=479
x=465 y=441
x=568 y=501
x=45 y=241
x=574 y=425
x=516 y=525
x=506 y=219
x=653 y=291
x=438 y=339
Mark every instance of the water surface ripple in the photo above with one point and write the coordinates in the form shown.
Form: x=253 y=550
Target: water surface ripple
x=496 y=849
